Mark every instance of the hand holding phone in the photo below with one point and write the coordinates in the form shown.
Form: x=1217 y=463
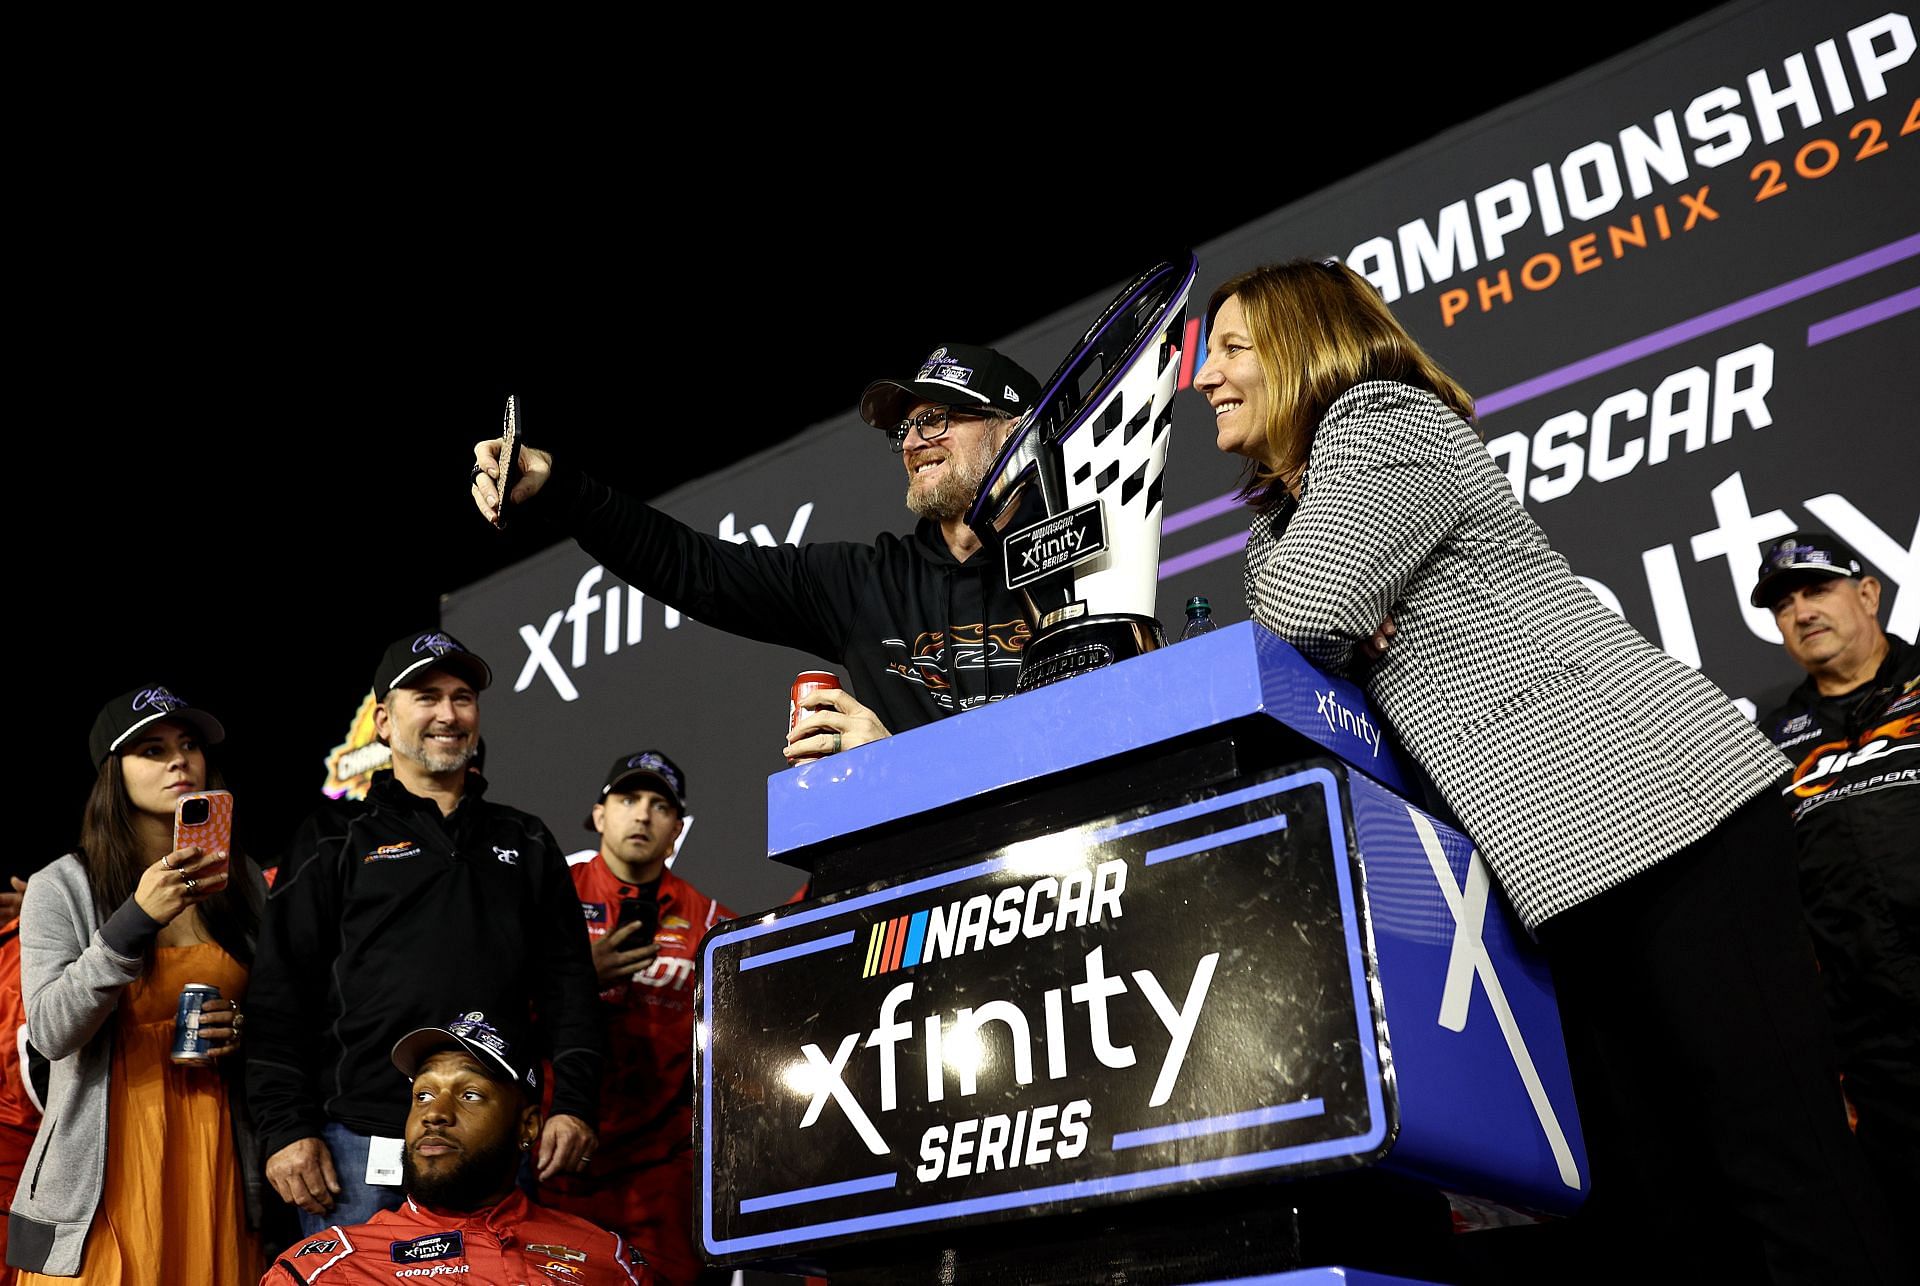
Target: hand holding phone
x=626 y=949
x=509 y=457
x=643 y=911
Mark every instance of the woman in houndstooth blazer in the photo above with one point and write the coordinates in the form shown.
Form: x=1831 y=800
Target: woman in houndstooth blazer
x=1625 y=806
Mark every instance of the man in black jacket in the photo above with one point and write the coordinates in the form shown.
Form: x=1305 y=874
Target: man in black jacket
x=924 y=624
x=1852 y=729
x=392 y=912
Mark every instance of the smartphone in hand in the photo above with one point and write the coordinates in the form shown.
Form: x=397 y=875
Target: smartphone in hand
x=509 y=457
x=644 y=911
x=204 y=819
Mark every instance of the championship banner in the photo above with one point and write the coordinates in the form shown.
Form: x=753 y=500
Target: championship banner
x=1683 y=286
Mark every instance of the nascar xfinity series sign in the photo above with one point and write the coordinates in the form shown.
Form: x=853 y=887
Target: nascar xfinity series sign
x=1176 y=995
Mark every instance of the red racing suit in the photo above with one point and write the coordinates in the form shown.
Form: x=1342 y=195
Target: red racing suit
x=19 y=1110
x=640 y=1181
x=515 y=1242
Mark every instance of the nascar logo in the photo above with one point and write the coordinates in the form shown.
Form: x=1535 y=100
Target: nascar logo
x=892 y=942
x=1047 y=905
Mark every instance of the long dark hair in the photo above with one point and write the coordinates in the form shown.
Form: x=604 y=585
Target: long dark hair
x=110 y=851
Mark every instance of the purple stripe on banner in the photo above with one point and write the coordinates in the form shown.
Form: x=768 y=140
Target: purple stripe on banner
x=1218 y=839
x=826 y=1191
x=1201 y=512
x=1861 y=318
x=1540 y=385
x=1205 y=554
x=797 y=950
x=1706 y=323
x=1219 y=1124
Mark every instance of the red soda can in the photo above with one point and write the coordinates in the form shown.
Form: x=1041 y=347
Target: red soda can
x=805 y=684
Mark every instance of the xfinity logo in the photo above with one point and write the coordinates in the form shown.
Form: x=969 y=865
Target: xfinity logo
x=1341 y=719
x=540 y=640
x=1060 y=541
x=1066 y=542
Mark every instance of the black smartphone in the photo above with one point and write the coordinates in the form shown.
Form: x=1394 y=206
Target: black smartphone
x=644 y=912
x=510 y=440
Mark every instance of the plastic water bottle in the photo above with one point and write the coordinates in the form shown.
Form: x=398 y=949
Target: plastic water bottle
x=1199 y=619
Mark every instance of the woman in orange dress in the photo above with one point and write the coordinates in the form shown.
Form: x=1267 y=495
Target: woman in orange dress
x=138 y=1174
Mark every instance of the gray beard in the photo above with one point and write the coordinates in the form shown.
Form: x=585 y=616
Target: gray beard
x=953 y=494
x=434 y=761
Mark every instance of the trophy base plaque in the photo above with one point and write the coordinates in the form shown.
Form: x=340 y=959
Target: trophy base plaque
x=1065 y=647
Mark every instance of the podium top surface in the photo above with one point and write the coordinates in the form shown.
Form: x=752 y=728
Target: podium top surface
x=1236 y=671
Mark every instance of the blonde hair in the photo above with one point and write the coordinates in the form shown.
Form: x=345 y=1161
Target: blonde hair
x=1318 y=329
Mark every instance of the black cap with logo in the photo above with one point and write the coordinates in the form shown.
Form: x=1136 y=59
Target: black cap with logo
x=412 y=655
x=962 y=375
x=472 y=1032
x=131 y=711
x=1803 y=554
x=652 y=767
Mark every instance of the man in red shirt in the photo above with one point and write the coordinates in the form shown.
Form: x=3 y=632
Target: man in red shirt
x=639 y=1181
x=473 y=1119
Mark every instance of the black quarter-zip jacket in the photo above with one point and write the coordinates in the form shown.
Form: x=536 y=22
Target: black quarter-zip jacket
x=1855 y=803
x=387 y=916
x=922 y=635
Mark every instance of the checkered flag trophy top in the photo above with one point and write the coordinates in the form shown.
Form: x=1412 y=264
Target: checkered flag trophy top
x=1093 y=451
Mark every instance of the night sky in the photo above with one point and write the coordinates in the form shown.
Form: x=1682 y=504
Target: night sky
x=258 y=341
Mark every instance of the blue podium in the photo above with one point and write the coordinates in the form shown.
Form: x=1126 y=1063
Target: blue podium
x=1114 y=969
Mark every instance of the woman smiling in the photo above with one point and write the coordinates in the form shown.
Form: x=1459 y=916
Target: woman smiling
x=1628 y=810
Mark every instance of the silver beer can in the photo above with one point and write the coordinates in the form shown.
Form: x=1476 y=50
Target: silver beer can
x=188 y=1045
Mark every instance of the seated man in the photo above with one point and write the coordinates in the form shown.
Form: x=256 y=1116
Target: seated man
x=472 y=1119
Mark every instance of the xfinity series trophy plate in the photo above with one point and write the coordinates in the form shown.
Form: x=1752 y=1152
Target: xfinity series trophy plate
x=1094 y=451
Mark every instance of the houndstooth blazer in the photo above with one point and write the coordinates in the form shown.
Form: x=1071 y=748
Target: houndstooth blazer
x=1573 y=751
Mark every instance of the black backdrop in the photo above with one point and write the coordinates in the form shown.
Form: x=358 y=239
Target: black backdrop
x=1664 y=406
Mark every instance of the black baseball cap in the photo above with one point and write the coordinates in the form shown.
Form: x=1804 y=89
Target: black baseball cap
x=962 y=375
x=1801 y=554
x=472 y=1032
x=131 y=711
x=664 y=775
x=411 y=655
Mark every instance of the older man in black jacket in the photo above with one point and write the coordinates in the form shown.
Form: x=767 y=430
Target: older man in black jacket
x=1852 y=729
x=390 y=913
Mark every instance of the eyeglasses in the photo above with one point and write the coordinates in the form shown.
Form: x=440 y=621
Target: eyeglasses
x=933 y=424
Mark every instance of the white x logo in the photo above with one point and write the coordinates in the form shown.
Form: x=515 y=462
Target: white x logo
x=1470 y=959
x=827 y=1084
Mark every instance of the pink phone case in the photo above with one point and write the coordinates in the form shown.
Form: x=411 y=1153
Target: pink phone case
x=215 y=834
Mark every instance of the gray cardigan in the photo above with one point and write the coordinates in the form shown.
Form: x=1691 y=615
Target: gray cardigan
x=72 y=970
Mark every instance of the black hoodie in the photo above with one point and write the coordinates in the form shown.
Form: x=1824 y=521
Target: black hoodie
x=921 y=634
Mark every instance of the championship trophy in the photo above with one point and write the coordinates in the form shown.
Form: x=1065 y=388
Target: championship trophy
x=1093 y=452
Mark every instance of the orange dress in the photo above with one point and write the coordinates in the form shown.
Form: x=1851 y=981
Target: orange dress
x=173 y=1209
